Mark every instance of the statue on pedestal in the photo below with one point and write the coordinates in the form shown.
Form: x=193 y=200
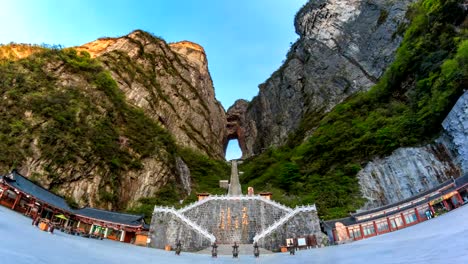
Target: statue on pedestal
x=256 y=250
x=214 y=250
x=178 y=247
x=235 y=250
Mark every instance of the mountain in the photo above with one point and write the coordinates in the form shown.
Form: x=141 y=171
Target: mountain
x=368 y=108
x=353 y=118
x=113 y=121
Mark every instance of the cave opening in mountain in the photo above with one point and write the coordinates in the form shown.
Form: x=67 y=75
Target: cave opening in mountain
x=233 y=150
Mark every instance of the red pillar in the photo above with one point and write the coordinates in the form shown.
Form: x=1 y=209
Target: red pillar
x=375 y=228
x=334 y=235
x=389 y=224
x=431 y=208
x=417 y=214
x=446 y=205
x=362 y=231
x=403 y=219
x=459 y=198
x=347 y=231
x=18 y=198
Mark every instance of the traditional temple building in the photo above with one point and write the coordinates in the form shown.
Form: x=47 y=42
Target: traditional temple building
x=20 y=194
x=419 y=208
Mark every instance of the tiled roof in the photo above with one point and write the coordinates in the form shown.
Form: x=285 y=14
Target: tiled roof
x=19 y=182
x=458 y=182
x=115 y=217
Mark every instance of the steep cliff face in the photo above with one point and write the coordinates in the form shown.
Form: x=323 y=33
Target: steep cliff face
x=344 y=47
x=405 y=173
x=366 y=79
x=104 y=127
x=409 y=171
x=455 y=135
x=171 y=83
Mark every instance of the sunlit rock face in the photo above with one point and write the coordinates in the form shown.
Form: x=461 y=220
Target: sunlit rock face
x=170 y=82
x=344 y=47
x=409 y=171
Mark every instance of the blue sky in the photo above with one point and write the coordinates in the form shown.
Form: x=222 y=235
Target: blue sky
x=245 y=40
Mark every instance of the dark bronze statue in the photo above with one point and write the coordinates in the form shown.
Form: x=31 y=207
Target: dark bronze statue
x=256 y=250
x=292 y=250
x=214 y=250
x=178 y=247
x=235 y=250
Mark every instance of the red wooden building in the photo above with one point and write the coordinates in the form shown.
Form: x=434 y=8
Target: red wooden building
x=22 y=195
x=417 y=209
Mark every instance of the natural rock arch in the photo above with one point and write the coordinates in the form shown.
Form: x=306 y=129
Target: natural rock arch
x=235 y=118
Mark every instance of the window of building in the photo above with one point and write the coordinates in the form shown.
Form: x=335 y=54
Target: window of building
x=368 y=229
x=382 y=225
x=396 y=221
x=354 y=232
x=410 y=217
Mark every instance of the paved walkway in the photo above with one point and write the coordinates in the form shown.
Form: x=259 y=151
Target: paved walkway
x=244 y=250
x=234 y=185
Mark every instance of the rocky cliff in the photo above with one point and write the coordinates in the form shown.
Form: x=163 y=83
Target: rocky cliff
x=104 y=124
x=344 y=47
x=354 y=111
x=171 y=83
x=408 y=171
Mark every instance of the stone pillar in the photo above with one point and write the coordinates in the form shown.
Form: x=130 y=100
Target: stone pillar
x=91 y=229
x=122 y=236
x=106 y=232
x=78 y=225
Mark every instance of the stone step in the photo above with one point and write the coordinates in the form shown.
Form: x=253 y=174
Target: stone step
x=225 y=249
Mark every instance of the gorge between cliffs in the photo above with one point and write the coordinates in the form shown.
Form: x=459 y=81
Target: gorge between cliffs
x=368 y=108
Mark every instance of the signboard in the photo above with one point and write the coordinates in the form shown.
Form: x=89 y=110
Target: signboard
x=301 y=242
x=289 y=242
x=450 y=195
x=436 y=201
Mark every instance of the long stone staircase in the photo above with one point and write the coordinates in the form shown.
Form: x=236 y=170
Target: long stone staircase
x=187 y=221
x=283 y=220
x=231 y=218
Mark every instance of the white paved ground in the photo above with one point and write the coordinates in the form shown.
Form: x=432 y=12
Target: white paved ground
x=441 y=240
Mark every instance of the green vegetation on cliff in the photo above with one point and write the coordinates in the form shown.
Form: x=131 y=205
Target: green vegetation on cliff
x=63 y=112
x=405 y=108
x=205 y=173
x=79 y=118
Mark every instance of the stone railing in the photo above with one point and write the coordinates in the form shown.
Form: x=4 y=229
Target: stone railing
x=284 y=219
x=239 y=197
x=184 y=219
